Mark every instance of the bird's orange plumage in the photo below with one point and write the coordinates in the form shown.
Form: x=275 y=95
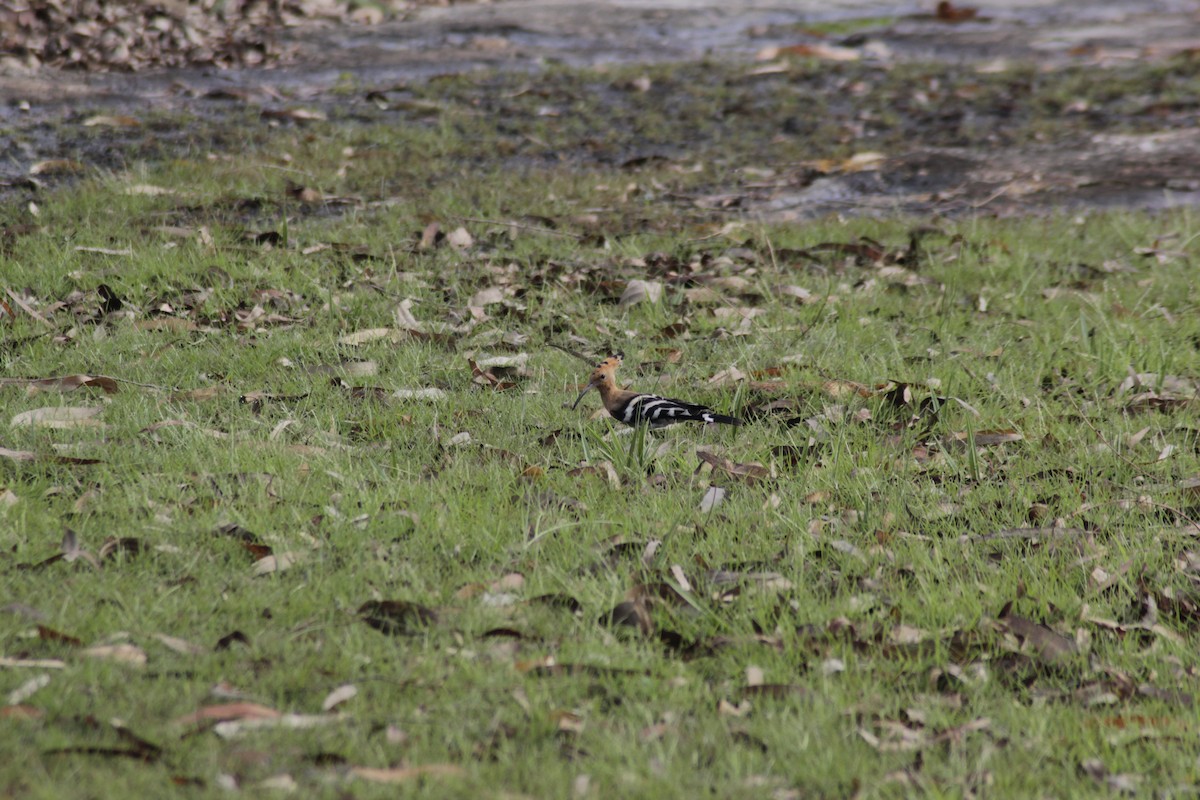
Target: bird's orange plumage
x=636 y=408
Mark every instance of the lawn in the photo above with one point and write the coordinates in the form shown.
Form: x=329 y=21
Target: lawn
x=293 y=496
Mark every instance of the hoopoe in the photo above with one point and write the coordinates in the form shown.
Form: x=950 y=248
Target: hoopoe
x=635 y=408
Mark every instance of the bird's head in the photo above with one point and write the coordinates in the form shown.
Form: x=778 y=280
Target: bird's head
x=604 y=372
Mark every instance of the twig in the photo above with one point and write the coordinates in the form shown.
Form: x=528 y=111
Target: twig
x=1003 y=190
x=771 y=251
x=1027 y=533
x=27 y=308
x=570 y=352
x=816 y=319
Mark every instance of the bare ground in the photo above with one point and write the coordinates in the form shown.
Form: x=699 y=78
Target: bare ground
x=1140 y=148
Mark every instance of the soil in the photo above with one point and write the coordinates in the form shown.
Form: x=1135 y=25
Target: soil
x=1131 y=142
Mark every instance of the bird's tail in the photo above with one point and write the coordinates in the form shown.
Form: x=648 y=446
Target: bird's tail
x=721 y=418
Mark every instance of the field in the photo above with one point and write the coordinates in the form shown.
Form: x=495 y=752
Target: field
x=293 y=496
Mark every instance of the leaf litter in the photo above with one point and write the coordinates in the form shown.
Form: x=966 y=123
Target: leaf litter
x=856 y=556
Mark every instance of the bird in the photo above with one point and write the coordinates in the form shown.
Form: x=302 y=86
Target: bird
x=636 y=408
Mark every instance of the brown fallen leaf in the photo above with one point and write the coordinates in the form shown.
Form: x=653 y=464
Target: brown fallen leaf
x=405 y=774
x=173 y=324
x=294 y=114
x=630 y=613
x=19 y=456
x=821 y=51
x=358 y=338
x=67 y=383
x=56 y=166
x=395 y=617
x=21 y=711
x=24 y=306
x=749 y=473
x=226 y=712
x=121 y=653
x=1048 y=645
x=948 y=12
x=431 y=236
x=305 y=194
x=119 y=546
x=278 y=562
x=105 y=121
x=47 y=634
x=988 y=438
x=637 y=291
x=488 y=378
x=69 y=550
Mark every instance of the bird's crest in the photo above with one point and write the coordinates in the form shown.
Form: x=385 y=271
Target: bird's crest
x=607 y=367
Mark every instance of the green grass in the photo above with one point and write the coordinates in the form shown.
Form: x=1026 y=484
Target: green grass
x=859 y=576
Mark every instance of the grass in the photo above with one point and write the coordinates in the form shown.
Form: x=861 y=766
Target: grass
x=591 y=634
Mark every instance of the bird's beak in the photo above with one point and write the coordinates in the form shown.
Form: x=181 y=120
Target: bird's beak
x=586 y=389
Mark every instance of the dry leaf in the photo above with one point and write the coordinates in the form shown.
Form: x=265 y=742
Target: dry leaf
x=122 y=653
x=1048 y=645
x=948 y=12
x=33 y=663
x=105 y=251
x=459 y=239
x=295 y=114
x=487 y=297
x=227 y=711
x=419 y=394
x=357 y=338
x=67 y=383
x=517 y=361
x=638 y=290
x=750 y=473
x=148 y=190
x=396 y=616
x=824 y=52
x=232 y=728
x=712 y=498
x=28 y=689
x=105 y=121
x=338 y=696
x=405 y=774
x=181 y=646
x=60 y=417
x=278 y=562
x=56 y=166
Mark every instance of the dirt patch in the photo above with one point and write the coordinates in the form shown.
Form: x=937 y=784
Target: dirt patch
x=1021 y=107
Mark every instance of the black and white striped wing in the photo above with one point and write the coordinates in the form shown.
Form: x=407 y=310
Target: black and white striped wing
x=659 y=412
